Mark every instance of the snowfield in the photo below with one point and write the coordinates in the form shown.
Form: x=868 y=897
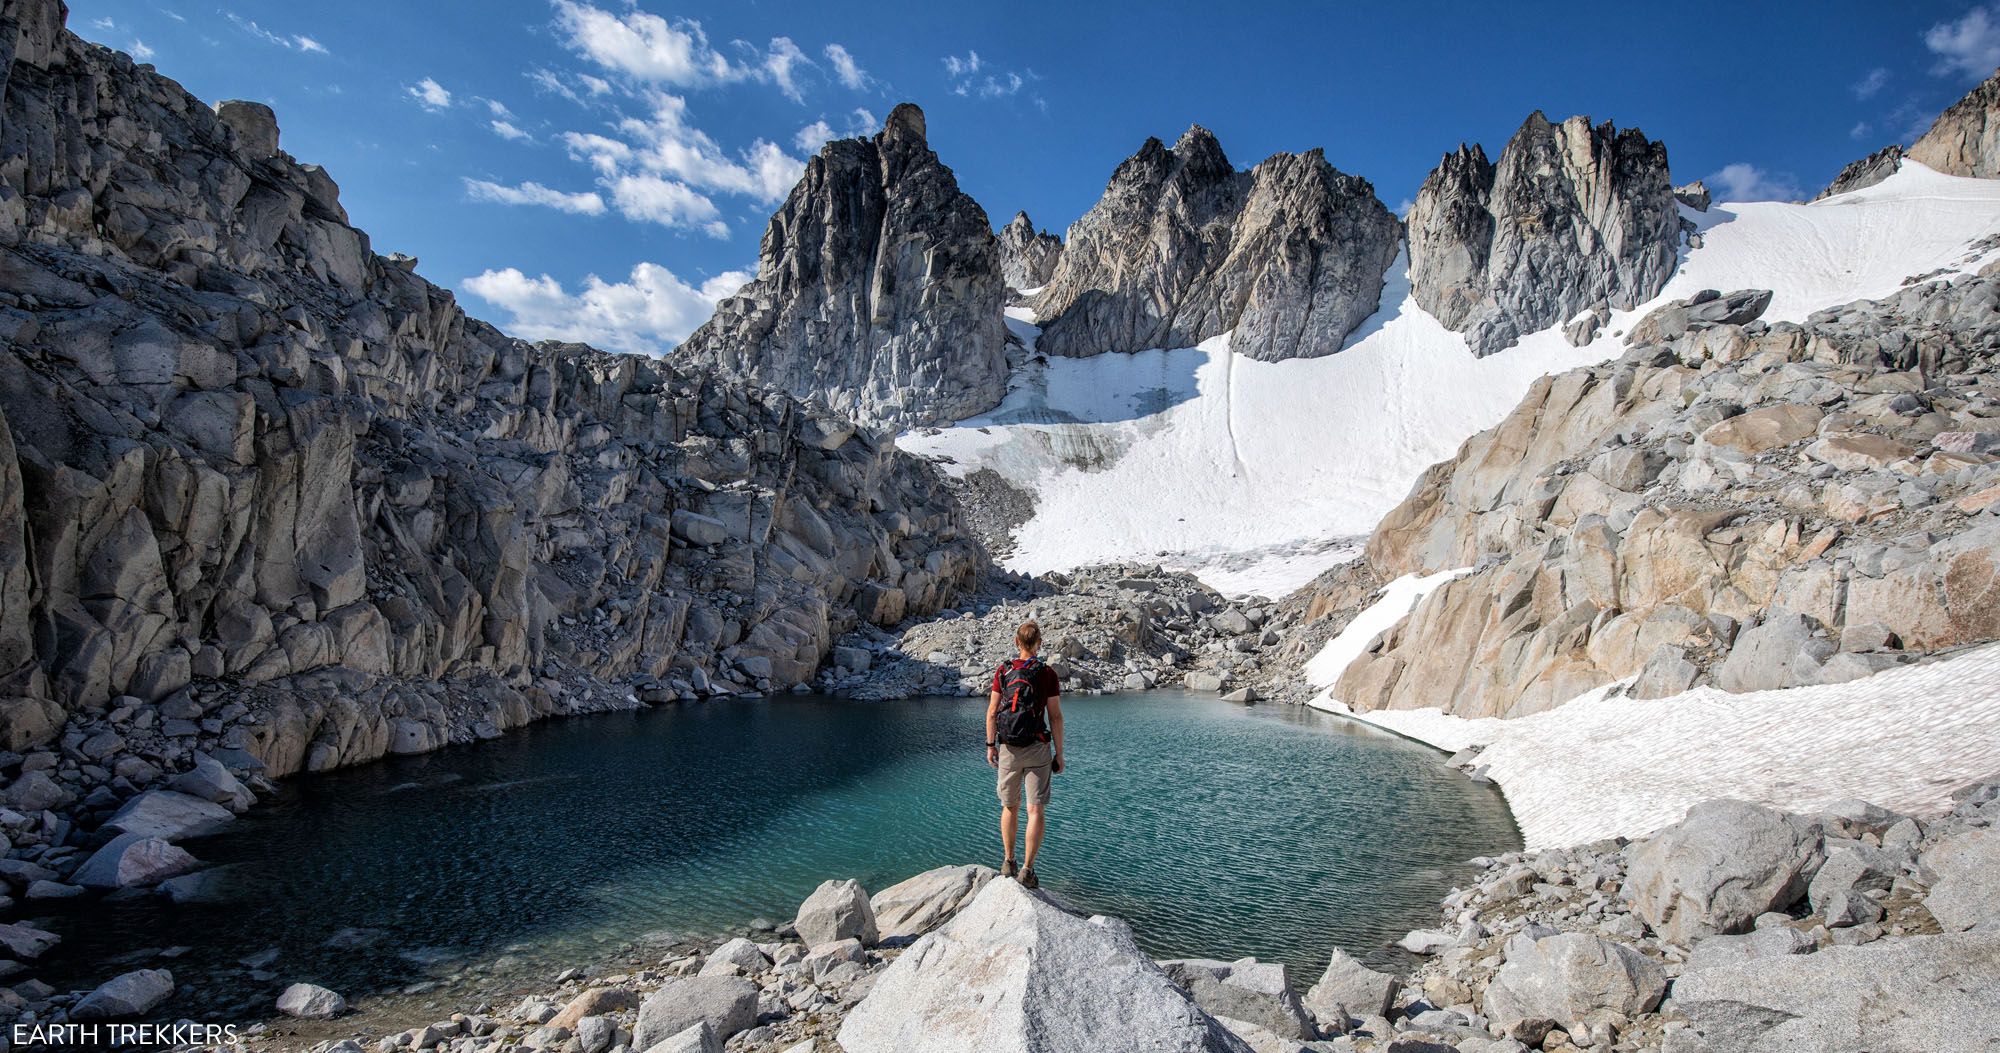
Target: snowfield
x=1598 y=767
x=1257 y=476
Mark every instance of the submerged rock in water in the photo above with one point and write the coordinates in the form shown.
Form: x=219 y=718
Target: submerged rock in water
x=127 y=995
x=1013 y=973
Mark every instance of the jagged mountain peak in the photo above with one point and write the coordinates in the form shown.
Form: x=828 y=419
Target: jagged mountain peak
x=906 y=124
x=1289 y=255
x=1569 y=215
x=1027 y=256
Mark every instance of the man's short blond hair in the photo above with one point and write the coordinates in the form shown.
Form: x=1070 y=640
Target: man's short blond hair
x=1029 y=636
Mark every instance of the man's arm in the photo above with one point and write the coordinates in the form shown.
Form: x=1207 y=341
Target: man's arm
x=1055 y=728
x=992 y=709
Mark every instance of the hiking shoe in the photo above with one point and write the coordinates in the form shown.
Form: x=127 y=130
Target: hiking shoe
x=1009 y=869
x=1028 y=879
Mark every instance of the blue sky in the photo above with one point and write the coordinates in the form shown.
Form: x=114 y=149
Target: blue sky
x=598 y=170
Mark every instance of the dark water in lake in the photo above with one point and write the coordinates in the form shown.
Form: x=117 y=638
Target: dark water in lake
x=1217 y=830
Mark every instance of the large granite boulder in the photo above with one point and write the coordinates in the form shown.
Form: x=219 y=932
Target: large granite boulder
x=837 y=910
x=1569 y=976
x=1028 y=256
x=133 y=861
x=878 y=289
x=1930 y=993
x=1248 y=990
x=916 y=905
x=1014 y=973
x=1350 y=989
x=1964 y=869
x=726 y=1004
x=1570 y=214
x=1718 y=869
x=1289 y=256
x=125 y=996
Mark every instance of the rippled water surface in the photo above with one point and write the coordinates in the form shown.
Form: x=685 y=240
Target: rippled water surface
x=1217 y=830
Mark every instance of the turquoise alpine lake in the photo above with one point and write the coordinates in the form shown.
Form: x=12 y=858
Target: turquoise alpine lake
x=1217 y=830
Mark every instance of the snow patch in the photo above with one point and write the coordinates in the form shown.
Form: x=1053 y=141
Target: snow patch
x=1399 y=598
x=1598 y=766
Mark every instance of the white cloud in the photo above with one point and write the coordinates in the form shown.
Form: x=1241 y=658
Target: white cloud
x=498 y=109
x=1969 y=47
x=1403 y=208
x=594 y=85
x=781 y=65
x=667 y=145
x=139 y=50
x=586 y=204
x=669 y=203
x=644 y=45
x=175 y=15
x=430 y=94
x=966 y=78
x=646 y=314
x=506 y=130
x=105 y=24
x=1743 y=181
x=860 y=122
x=294 y=42
x=1860 y=130
x=845 y=68
x=1871 y=83
x=812 y=136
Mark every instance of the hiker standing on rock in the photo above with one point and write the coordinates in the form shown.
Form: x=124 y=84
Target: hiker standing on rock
x=1024 y=740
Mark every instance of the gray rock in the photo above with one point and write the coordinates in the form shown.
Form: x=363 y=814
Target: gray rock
x=1779 y=651
x=35 y=791
x=725 y=1003
x=837 y=910
x=878 y=289
x=1568 y=977
x=919 y=904
x=699 y=1038
x=1837 y=891
x=1014 y=973
x=1917 y=993
x=1350 y=989
x=256 y=127
x=210 y=781
x=1248 y=990
x=1694 y=195
x=1289 y=257
x=1965 y=890
x=736 y=955
x=133 y=861
x=1570 y=215
x=23 y=941
x=311 y=1002
x=1027 y=257
x=596 y=1034
x=125 y=996
x=169 y=816
x=1769 y=942
x=1718 y=869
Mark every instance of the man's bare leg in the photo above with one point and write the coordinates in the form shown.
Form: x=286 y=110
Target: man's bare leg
x=1034 y=836
x=1008 y=820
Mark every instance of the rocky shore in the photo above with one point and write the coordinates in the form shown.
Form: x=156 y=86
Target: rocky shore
x=1740 y=928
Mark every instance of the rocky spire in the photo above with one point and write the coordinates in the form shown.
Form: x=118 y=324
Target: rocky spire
x=1027 y=256
x=878 y=289
x=1571 y=214
x=1289 y=255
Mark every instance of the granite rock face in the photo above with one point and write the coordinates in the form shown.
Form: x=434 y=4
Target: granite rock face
x=1289 y=255
x=1730 y=502
x=1028 y=257
x=1965 y=139
x=1571 y=214
x=878 y=292
x=283 y=489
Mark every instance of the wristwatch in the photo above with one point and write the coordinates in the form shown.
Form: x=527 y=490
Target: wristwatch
x=992 y=745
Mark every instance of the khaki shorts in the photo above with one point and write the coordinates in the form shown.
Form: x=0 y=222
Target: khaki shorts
x=1029 y=764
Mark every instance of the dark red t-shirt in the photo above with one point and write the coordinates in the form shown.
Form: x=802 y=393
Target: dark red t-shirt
x=1046 y=680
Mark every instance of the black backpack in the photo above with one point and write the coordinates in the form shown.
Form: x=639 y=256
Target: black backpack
x=1023 y=716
